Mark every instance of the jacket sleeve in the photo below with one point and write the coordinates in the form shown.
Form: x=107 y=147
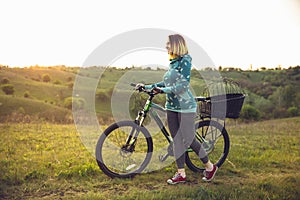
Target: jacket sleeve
x=159 y=84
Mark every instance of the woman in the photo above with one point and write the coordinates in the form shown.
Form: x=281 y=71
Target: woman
x=181 y=108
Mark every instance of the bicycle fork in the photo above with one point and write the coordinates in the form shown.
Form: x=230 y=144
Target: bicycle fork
x=131 y=139
x=134 y=133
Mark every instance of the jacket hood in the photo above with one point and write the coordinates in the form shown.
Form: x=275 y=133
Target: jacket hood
x=187 y=57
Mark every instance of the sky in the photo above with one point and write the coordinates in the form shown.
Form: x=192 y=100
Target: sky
x=234 y=33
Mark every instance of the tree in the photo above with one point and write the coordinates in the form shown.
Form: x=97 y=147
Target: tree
x=8 y=89
x=276 y=97
x=46 y=78
x=288 y=95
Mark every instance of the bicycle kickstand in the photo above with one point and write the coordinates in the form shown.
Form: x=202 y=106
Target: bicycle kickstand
x=162 y=158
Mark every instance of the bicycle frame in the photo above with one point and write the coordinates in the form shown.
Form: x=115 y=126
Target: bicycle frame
x=151 y=108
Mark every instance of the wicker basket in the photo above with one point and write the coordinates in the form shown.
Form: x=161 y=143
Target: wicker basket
x=222 y=106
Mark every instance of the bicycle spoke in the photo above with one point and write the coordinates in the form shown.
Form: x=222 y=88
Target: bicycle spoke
x=117 y=156
x=215 y=141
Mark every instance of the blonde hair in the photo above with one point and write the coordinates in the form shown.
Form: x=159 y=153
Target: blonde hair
x=177 y=45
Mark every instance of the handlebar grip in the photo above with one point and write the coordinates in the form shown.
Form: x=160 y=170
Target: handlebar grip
x=201 y=98
x=133 y=84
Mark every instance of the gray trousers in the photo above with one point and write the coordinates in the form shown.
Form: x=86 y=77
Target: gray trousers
x=182 y=130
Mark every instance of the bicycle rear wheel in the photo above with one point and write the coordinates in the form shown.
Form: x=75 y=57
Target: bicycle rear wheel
x=215 y=140
x=115 y=158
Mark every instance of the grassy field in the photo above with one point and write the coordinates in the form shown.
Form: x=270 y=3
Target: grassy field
x=47 y=161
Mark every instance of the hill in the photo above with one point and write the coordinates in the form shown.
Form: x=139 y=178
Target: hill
x=33 y=98
x=48 y=90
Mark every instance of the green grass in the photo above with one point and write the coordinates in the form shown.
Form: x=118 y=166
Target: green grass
x=20 y=109
x=47 y=161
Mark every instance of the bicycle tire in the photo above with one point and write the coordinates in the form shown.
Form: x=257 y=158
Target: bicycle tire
x=114 y=161
x=217 y=152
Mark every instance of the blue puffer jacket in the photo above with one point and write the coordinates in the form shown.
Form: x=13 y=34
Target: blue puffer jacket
x=176 y=85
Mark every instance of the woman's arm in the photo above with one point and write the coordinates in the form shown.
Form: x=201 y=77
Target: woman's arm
x=159 y=84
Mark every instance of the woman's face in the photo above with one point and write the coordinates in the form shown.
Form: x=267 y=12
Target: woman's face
x=168 y=46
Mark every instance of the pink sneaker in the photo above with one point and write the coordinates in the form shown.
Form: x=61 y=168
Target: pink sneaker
x=177 y=178
x=209 y=175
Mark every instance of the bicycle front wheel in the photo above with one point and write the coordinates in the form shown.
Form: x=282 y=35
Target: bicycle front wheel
x=215 y=141
x=121 y=155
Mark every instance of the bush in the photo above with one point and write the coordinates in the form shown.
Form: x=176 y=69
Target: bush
x=74 y=103
x=293 y=111
x=68 y=103
x=26 y=94
x=46 y=78
x=21 y=110
x=5 y=81
x=8 y=89
x=70 y=85
x=69 y=79
x=102 y=96
x=57 y=82
x=250 y=113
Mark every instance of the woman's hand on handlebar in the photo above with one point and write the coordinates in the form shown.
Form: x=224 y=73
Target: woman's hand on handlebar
x=157 y=90
x=139 y=86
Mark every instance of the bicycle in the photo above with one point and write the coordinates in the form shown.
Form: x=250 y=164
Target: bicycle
x=132 y=143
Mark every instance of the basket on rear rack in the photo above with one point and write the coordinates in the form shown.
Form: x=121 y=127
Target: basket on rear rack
x=223 y=106
x=224 y=100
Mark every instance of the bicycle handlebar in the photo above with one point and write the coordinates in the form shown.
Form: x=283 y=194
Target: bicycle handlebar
x=142 y=89
x=133 y=84
x=201 y=98
x=151 y=93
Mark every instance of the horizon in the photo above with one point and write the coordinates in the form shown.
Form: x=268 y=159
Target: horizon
x=154 y=67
